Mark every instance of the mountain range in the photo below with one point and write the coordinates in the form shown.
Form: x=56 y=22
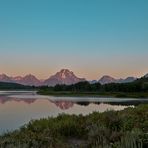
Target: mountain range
x=108 y=79
x=64 y=76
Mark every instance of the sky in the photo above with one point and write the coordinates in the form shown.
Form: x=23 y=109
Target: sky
x=90 y=37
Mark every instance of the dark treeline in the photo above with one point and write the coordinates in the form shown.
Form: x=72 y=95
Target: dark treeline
x=14 y=86
x=139 y=85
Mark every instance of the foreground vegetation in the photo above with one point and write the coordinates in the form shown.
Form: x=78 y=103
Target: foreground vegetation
x=111 y=129
x=136 y=89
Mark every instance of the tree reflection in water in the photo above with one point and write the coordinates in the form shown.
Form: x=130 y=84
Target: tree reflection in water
x=64 y=105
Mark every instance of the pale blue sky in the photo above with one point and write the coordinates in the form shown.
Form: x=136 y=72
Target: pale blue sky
x=90 y=37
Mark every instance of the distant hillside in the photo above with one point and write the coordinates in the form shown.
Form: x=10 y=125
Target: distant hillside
x=12 y=86
x=108 y=79
x=135 y=89
x=146 y=75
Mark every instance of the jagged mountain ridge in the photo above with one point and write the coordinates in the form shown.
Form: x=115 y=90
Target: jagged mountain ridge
x=146 y=75
x=29 y=80
x=64 y=76
x=26 y=80
x=108 y=79
x=5 y=78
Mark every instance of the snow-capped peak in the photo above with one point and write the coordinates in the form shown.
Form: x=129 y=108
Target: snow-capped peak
x=64 y=76
x=63 y=72
x=146 y=75
x=17 y=78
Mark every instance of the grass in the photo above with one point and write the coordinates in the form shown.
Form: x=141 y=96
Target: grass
x=111 y=129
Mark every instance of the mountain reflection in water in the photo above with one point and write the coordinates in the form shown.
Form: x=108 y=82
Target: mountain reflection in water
x=4 y=100
x=18 y=108
x=65 y=104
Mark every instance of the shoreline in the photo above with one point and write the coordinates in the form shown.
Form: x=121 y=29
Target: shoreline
x=83 y=130
x=96 y=94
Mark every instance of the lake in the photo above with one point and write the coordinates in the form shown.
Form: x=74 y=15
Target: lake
x=19 y=107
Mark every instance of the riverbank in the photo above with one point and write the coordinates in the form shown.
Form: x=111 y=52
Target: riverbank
x=136 y=89
x=126 y=128
x=95 y=94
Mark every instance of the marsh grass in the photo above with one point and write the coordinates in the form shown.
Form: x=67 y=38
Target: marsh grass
x=112 y=129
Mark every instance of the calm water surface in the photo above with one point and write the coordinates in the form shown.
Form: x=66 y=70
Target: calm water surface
x=18 y=108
